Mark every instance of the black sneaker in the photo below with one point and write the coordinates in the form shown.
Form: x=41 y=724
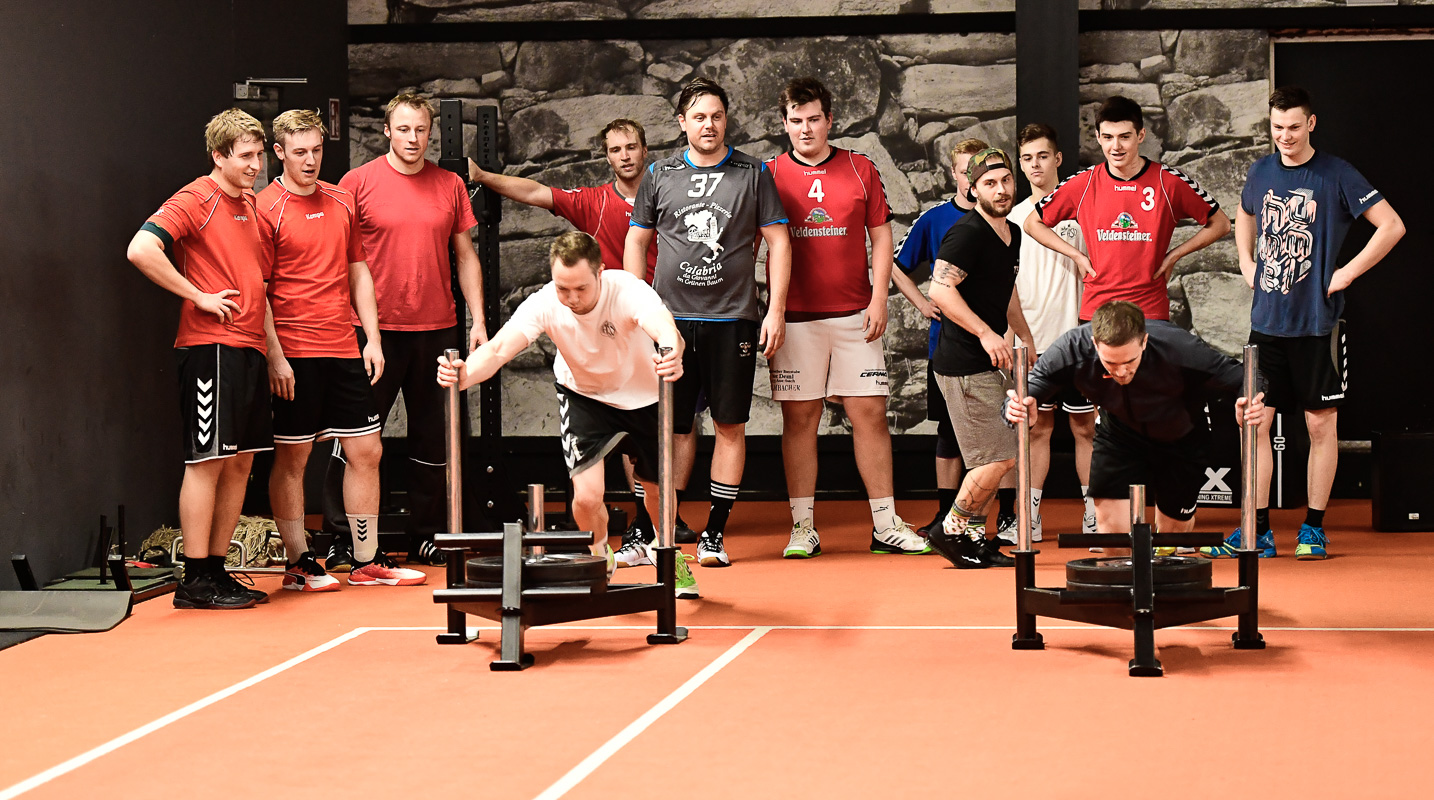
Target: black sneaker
x=963 y=551
x=640 y=535
x=994 y=557
x=427 y=553
x=339 y=559
x=231 y=580
x=683 y=534
x=204 y=592
x=1006 y=530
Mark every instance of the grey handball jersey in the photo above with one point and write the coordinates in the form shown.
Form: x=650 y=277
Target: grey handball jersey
x=707 y=221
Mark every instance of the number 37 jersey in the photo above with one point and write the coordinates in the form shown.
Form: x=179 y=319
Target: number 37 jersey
x=1127 y=226
x=708 y=221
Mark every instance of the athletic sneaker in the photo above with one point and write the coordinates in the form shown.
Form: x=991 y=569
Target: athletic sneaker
x=1006 y=529
x=1164 y=551
x=427 y=553
x=682 y=534
x=305 y=575
x=959 y=549
x=1264 y=543
x=686 y=583
x=204 y=592
x=991 y=549
x=384 y=570
x=1008 y=537
x=1087 y=523
x=228 y=578
x=340 y=558
x=710 y=552
x=899 y=539
x=804 y=542
x=611 y=562
x=633 y=552
x=1312 y=543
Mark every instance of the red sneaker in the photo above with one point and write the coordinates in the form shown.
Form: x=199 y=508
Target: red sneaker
x=384 y=570
x=305 y=575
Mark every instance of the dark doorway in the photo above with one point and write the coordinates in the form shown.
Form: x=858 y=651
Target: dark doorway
x=1371 y=106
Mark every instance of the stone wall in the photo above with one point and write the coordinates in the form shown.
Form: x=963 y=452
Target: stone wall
x=368 y=12
x=902 y=99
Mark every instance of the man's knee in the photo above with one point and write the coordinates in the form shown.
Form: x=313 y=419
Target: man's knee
x=1322 y=424
x=363 y=452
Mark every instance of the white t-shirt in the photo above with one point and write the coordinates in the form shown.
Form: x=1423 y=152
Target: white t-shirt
x=1048 y=282
x=603 y=354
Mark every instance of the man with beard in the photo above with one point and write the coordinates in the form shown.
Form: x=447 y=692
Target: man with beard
x=973 y=361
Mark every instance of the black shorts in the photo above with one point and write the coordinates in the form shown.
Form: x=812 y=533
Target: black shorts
x=591 y=429
x=936 y=410
x=332 y=400
x=1071 y=401
x=719 y=362
x=1172 y=472
x=1303 y=371
x=223 y=401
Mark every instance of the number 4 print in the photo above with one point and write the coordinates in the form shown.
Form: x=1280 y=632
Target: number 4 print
x=816 y=190
x=706 y=184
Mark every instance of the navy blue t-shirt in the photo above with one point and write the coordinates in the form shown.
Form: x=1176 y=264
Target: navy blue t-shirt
x=1303 y=214
x=921 y=244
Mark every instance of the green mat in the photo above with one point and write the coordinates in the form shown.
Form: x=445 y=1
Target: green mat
x=63 y=612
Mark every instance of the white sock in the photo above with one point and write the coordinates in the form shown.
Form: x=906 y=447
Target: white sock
x=1035 y=503
x=883 y=513
x=296 y=542
x=364 y=528
x=802 y=509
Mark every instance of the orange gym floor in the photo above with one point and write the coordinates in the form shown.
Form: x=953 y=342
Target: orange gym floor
x=847 y=676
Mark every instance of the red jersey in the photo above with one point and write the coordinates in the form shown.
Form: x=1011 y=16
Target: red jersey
x=310 y=240
x=406 y=222
x=1127 y=226
x=830 y=206
x=213 y=240
x=602 y=213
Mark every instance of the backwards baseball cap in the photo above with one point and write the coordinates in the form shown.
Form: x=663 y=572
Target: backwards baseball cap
x=985 y=161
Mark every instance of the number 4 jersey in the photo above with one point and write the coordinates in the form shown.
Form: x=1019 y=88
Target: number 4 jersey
x=707 y=221
x=832 y=204
x=1127 y=226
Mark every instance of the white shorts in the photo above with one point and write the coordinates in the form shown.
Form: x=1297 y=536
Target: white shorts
x=828 y=358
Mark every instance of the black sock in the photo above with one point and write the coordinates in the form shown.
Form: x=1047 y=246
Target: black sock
x=194 y=567
x=641 y=520
x=723 y=496
x=1262 y=520
x=1314 y=517
x=214 y=565
x=1008 y=501
x=946 y=498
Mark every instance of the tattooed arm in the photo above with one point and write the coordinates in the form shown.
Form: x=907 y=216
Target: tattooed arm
x=945 y=277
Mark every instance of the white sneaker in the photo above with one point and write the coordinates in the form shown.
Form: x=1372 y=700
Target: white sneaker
x=1009 y=532
x=804 y=542
x=633 y=553
x=1087 y=523
x=1006 y=529
x=900 y=539
x=1035 y=527
x=710 y=552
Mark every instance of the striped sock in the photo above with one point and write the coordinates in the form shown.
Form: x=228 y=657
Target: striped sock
x=365 y=532
x=641 y=520
x=723 y=496
x=956 y=520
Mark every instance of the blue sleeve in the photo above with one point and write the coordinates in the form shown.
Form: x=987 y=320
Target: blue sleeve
x=1355 y=192
x=912 y=251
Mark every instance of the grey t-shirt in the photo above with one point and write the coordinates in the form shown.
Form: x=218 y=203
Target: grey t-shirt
x=708 y=221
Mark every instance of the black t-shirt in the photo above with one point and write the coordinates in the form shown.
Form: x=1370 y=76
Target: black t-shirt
x=990 y=267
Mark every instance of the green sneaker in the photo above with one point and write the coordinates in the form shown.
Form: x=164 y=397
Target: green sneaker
x=686 y=583
x=611 y=562
x=804 y=542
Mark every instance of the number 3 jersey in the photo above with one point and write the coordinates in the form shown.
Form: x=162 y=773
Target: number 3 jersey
x=831 y=205
x=1127 y=226
x=707 y=221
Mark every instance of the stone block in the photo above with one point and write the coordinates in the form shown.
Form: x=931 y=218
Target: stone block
x=572 y=125
x=532 y=12
x=520 y=221
x=523 y=262
x=530 y=404
x=1110 y=73
x=945 y=90
x=1118 y=47
x=1146 y=94
x=380 y=70
x=583 y=65
x=1229 y=111
x=1224 y=51
x=972 y=49
x=1219 y=306
x=753 y=72
x=669 y=71
x=449 y=87
x=368 y=12
x=1223 y=174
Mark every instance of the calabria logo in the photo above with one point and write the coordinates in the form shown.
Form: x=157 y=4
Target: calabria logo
x=818 y=216
x=1124 y=221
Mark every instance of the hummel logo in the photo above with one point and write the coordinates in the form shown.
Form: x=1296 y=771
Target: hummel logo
x=361 y=530
x=1371 y=194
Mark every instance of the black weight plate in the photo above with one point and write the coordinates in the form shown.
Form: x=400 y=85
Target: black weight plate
x=1164 y=587
x=1117 y=571
x=598 y=585
x=550 y=568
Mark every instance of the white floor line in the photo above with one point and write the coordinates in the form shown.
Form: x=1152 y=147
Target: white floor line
x=616 y=743
x=1196 y=627
x=174 y=716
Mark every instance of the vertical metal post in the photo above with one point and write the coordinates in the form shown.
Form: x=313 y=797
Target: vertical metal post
x=1250 y=463
x=1023 y=457
x=666 y=483
x=452 y=421
x=536 y=519
x=1137 y=504
x=1142 y=570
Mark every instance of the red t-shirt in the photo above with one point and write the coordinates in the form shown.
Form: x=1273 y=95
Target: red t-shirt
x=407 y=222
x=215 y=244
x=1127 y=226
x=310 y=240
x=602 y=213
x=830 y=206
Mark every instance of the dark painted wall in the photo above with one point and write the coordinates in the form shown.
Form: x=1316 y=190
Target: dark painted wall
x=107 y=104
